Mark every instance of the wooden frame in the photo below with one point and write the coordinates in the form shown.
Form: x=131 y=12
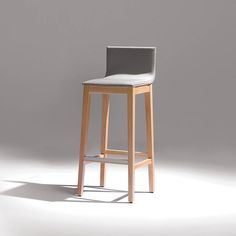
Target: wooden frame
x=108 y=89
x=104 y=135
x=123 y=152
x=84 y=136
x=102 y=158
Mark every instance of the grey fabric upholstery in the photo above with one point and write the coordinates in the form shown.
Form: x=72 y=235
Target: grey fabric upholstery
x=128 y=66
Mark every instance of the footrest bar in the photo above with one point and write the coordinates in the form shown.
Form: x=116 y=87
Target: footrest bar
x=142 y=163
x=106 y=160
x=123 y=152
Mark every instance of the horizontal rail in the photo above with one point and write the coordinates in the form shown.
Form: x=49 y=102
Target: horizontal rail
x=120 y=161
x=122 y=152
x=108 y=89
x=106 y=160
x=142 y=163
x=142 y=89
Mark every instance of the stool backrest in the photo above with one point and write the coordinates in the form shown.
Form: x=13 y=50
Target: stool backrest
x=131 y=60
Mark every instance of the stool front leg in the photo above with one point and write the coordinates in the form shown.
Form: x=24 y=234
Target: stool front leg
x=104 y=135
x=131 y=143
x=150 y=138
x=83 y=137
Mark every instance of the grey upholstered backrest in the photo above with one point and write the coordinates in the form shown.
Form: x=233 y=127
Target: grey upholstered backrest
x=131 y=60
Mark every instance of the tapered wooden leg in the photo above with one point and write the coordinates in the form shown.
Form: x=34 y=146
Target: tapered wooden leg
x=104 y=135
x=131 y=143
x=83 y=137
x=150 y=138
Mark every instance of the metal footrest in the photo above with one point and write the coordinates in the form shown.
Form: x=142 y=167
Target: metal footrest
x=121 y=161
x=97 y=158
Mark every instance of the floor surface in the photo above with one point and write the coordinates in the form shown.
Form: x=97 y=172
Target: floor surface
x=38 y=198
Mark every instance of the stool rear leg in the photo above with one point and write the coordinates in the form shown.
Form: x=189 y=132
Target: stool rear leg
x=104 y=135
x=83 y=137
x=150 y=138
x=131 y=143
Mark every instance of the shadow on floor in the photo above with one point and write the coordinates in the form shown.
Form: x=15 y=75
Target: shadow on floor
x=58 y=193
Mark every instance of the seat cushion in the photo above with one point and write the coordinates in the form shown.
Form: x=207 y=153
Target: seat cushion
x=123 y=80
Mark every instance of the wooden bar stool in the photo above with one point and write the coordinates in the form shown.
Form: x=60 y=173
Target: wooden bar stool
x=130 y=71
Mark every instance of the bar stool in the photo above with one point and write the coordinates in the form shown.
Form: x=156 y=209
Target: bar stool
x=130 y=71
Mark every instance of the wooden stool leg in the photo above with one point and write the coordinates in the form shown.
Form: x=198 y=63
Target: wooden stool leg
x=150 y=138
x=83 y=137
x=131 y=143
x=104 y=135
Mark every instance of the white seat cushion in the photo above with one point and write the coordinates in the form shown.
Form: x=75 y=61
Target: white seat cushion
x=123 y=80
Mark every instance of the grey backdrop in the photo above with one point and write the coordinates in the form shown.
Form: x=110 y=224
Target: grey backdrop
x=48 y=47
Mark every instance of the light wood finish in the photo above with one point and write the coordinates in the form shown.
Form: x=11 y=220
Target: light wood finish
x=118 y=89
x=113 y=160
x=83 y=137
x=131 y=143
x=104 y=135
x=109 y=89
x=150 y=137
x=123 y=152
x=142 y=89
x=142 y=163
x=131 y=93
x=106 y=160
